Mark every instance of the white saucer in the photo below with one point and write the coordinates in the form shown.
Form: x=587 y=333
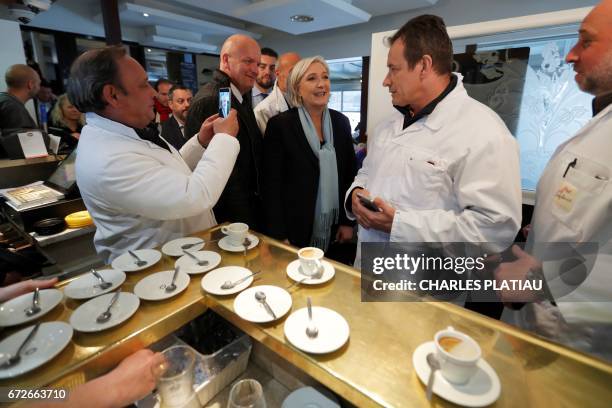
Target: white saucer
x=50 y=339
x=174 y=247
x=249 y=308
x=333 y=330
x=483 y=388
x=13 y=313
x=153 y=287
x=294 y=271
x=212 y=282
x=227 y=245
x=127 y=262
x=83 y=319
x=87 y=285
x=190 y=266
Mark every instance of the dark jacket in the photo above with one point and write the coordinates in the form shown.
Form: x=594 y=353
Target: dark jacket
x=13 y=113
x=290 y=175
x=240 y=200
x=171 y=132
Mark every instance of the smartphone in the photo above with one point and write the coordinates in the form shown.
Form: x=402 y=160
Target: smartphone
x=225 y=102
x=368 y=203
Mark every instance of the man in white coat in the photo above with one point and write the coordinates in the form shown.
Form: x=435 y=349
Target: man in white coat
x=276 y=102
x=139 y=190
x=443 y=167
x=574 y=206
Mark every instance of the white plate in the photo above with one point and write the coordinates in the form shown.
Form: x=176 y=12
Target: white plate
x=483 y=388
x=249 y=308
x=174 y=247
x=333 y=330
x=226 y=244
x=84 y=317
x=153 y=287
x=50 y=339
x=127 y=262
x=212 y=282
x=13 y=313
x=87 y=285
x=294 y=271
x=190 y=266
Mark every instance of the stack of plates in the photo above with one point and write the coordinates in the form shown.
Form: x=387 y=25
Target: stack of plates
x=79 y=219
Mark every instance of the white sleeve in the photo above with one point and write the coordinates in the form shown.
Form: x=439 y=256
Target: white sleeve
x=192 y=151
x=140 y=184
x=487 y=188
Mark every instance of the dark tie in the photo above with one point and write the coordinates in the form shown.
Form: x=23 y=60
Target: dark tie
x=264 y=95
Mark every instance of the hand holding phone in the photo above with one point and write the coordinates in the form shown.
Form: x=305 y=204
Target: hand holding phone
x=225 y=102
x=368 y=203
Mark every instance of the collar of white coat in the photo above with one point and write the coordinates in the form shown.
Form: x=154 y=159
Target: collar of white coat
x=439 y=116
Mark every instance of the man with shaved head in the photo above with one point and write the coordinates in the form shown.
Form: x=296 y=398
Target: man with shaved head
x=574 y=206
x=238 y=69
x=277 y=101
x=22 y=84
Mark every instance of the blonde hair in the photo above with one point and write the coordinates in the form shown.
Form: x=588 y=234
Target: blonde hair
x=297 y=73
x=57 y=115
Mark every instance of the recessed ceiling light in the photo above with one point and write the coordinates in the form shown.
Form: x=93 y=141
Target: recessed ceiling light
x=145 y=14
x=301 y=18
x=148 y=50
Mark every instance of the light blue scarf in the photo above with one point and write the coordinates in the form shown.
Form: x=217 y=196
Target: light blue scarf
x=326 y=210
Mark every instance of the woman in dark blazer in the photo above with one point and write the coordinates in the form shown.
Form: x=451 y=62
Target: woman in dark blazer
x=304 y=176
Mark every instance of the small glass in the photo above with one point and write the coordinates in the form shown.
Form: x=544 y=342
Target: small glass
x=175 y=376
x=246 y=394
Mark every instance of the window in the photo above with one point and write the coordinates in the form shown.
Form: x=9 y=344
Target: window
x=345 y=75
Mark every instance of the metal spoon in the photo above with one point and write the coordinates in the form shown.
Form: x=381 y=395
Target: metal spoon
x=246 y=243
x=17 y=357
x=192 y=244
x=229 y=284
x=171 y=287
x=104 y=316
x=296 y=283
x=35 y=308
x=139 y=262
x=103 y=284
x=203 y=262
x=311 y=329
x=261 y=298
x=434 y=365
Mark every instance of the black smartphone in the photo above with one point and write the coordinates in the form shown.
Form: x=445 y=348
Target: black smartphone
x=225 y=102
x=368 y=203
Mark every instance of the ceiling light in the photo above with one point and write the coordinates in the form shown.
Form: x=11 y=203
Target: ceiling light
x=301 y=18
x=148 y=50
x=145 y=14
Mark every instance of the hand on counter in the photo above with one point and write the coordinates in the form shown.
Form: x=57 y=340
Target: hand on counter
x=19 y=288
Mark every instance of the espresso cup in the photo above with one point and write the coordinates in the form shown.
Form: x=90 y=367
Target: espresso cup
x=310 y=260
x=458 y=355
x=236 y=232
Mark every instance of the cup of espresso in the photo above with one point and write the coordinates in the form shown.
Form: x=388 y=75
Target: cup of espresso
x=236 y=232
x=310 y=259
x=457 y=354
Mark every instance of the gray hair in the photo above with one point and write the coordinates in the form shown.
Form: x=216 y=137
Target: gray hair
x=297 y=73
x=89 y=73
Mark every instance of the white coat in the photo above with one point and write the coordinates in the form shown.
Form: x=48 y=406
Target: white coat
x=141 y=195
x=576 y=208
x=452 y=176
x=274 y=104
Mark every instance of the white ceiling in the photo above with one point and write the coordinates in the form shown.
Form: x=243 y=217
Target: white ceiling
x=201 y=26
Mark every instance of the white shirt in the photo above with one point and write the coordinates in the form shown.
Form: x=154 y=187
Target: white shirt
x=274 y=104
x=576 y=208
x=141 y=195
x=452 y=176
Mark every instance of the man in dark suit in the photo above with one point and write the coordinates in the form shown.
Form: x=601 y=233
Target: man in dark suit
x=173 y=130
x=238 y=70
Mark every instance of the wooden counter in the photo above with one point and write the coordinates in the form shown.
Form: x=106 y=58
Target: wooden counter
x=373 y=369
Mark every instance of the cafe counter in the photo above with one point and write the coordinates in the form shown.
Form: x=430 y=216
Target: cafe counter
x=374 y=368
